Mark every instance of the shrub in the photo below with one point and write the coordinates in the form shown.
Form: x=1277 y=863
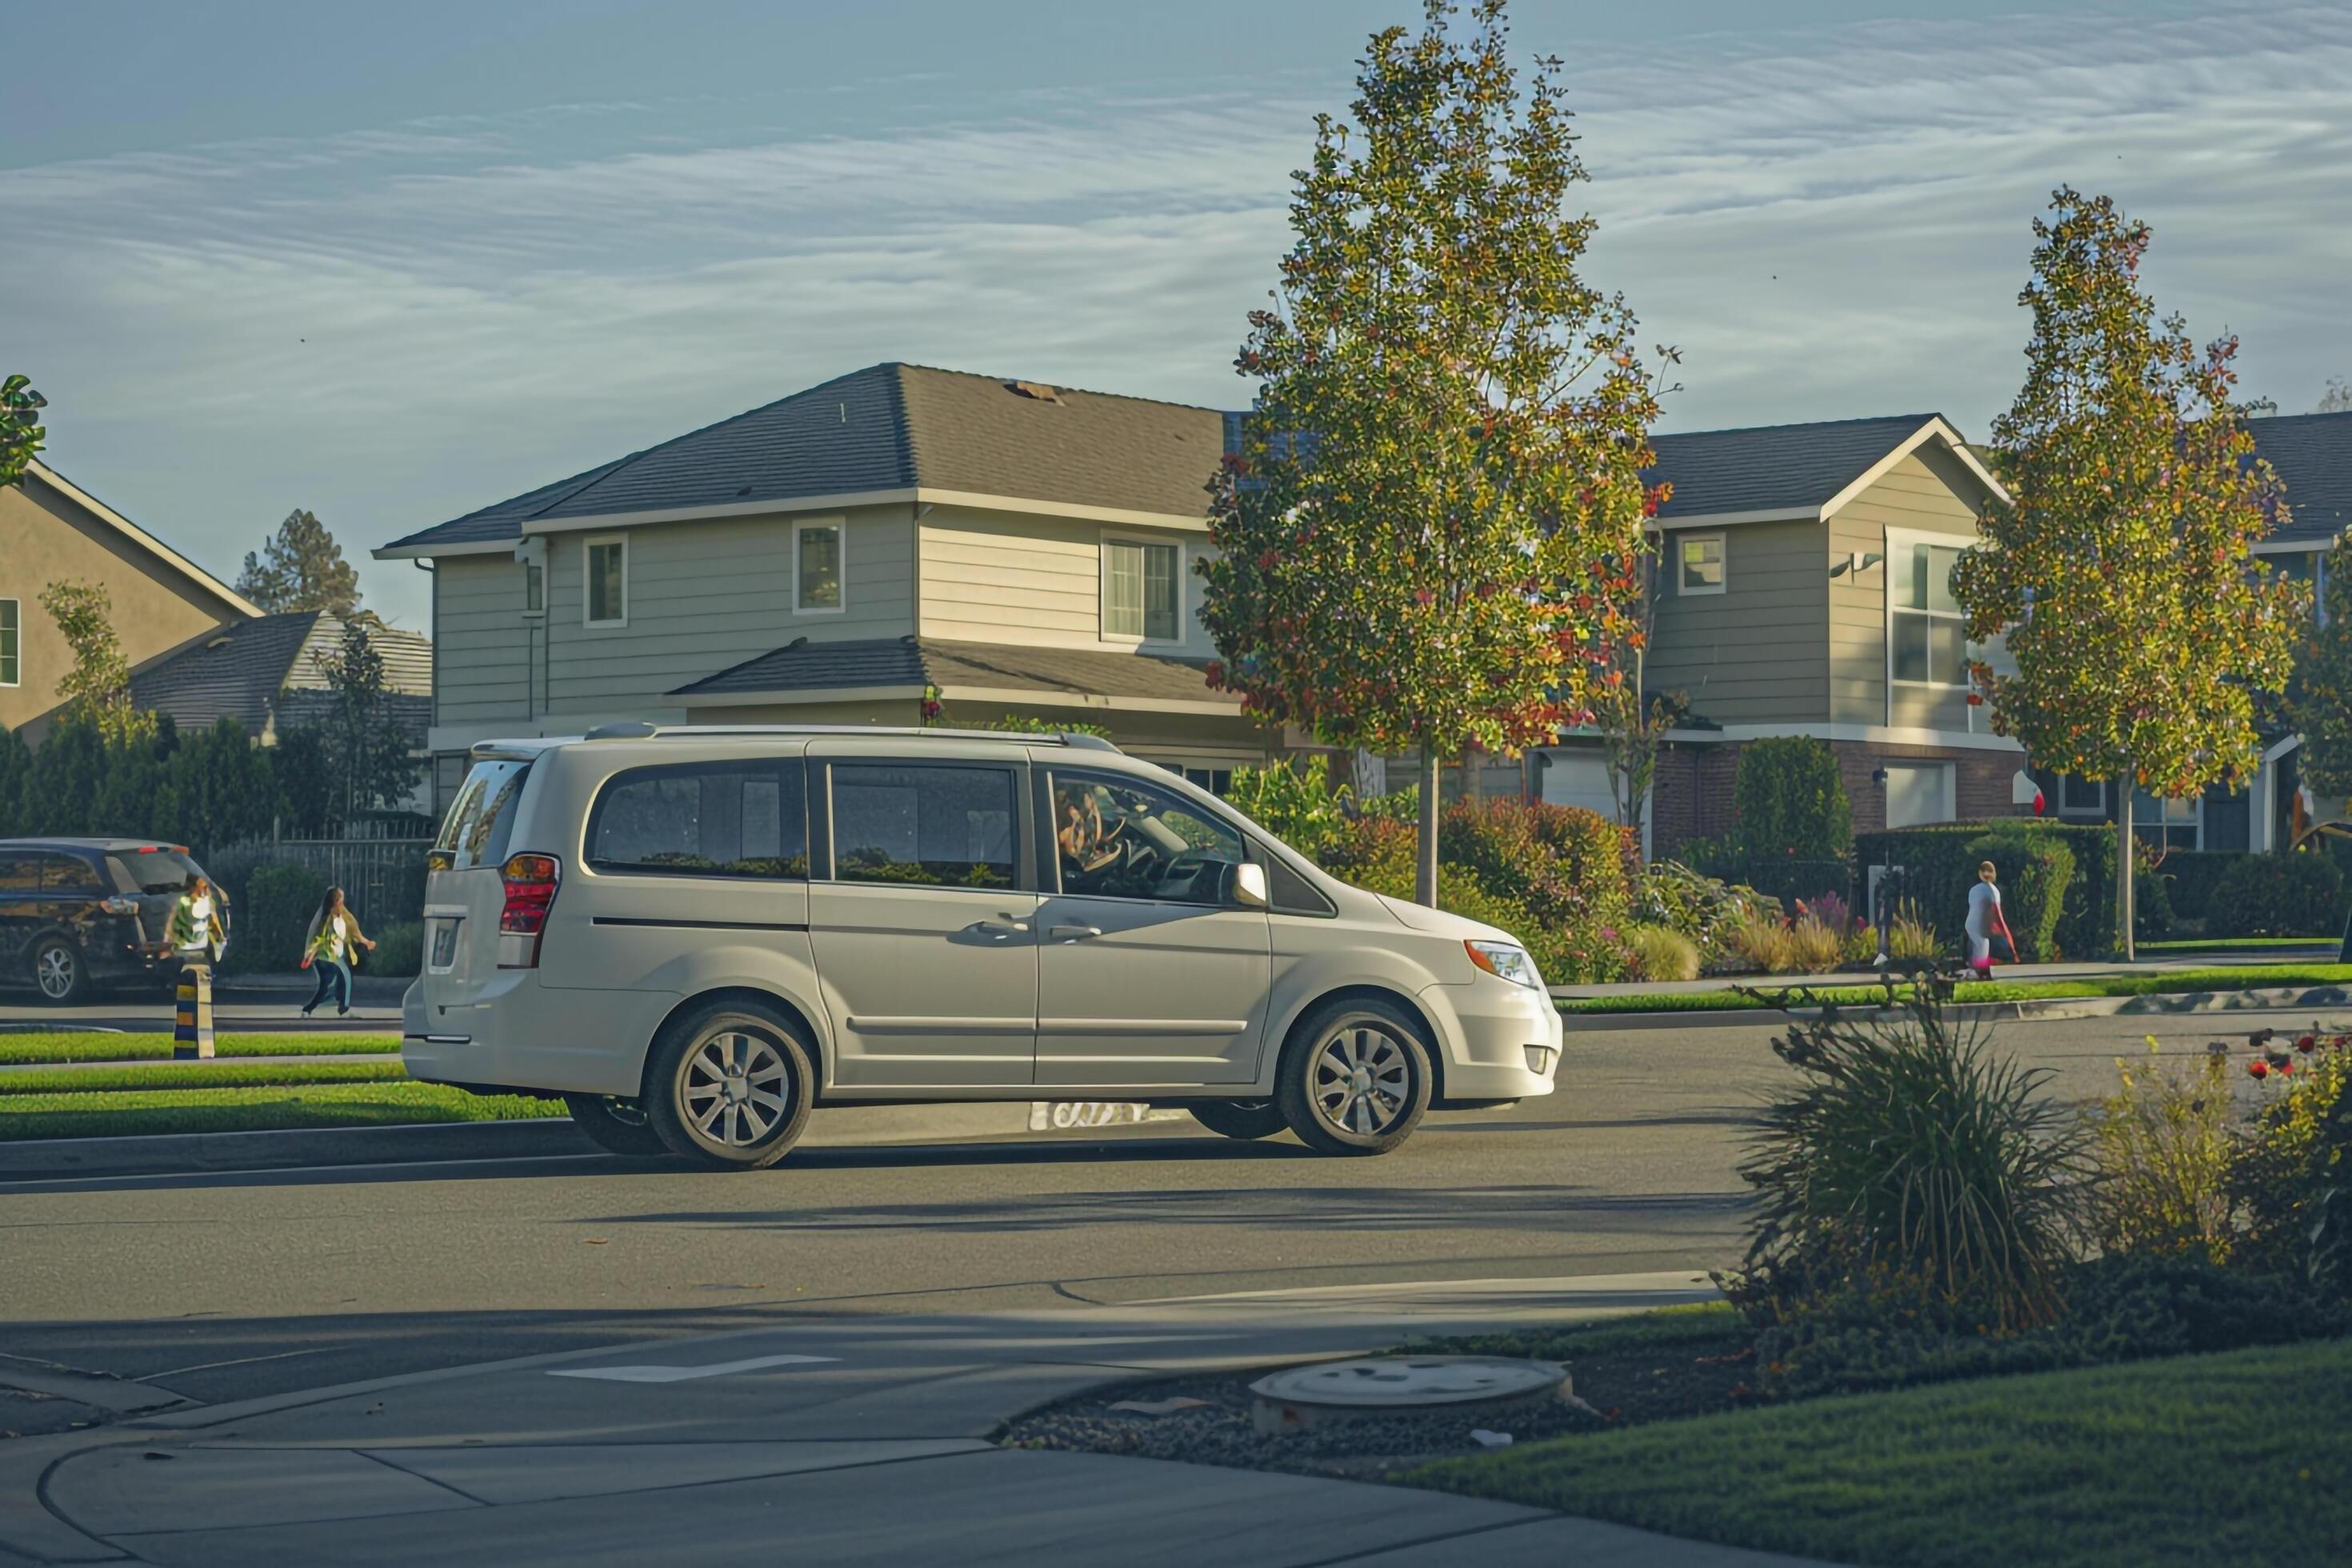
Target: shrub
x=1374 y=852
x=1660 y=952
x=1910 y=937
x=2190 y=877
x=2165 y=1146
x=2289 y=1157
x=2034 y=872
x=1293 y=801
x=2299 y=894
x=1790 y=800
x=1908 y=1157
x=1815 y=946
x=399 y=950
x=2152 y=914
x=1566 y=866
x=279 y=900
x=1671 y=894
x=1760 y=943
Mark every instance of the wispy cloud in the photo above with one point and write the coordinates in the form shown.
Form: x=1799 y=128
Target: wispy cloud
x=401 y=322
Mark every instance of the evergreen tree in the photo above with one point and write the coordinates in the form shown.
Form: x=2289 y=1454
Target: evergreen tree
x=300 y=568
x=67 y=775
x=221 y=789
x=367 y=751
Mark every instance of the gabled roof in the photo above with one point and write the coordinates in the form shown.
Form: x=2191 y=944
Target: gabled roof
x=1775 y=471
x=881 y=434
x=1050 y=675
x=238 y=671
x=2312 y=453
x=236 y=603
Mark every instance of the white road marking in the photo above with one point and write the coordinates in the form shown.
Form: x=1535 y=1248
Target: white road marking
x=683 y=1373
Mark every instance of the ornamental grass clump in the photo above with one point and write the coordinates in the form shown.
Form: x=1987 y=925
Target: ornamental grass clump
x=1907 y=1159
x=1659 y=954
x=2166 y=1142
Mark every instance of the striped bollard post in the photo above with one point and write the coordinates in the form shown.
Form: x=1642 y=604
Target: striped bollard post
x=192 y=1027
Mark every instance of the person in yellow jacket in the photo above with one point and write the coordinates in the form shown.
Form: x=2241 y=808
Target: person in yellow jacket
x=195 y=925
x=333 y=936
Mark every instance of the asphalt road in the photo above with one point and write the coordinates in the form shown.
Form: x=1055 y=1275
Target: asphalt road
x=224 y=1287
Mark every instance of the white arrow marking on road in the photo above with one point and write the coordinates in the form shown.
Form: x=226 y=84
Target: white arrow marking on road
x=682 y=1374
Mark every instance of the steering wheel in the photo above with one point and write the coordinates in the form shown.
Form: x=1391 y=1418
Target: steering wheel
x=1188 y=867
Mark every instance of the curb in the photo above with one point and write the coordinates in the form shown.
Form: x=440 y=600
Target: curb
x=198 y=1153
x=2040 y=1009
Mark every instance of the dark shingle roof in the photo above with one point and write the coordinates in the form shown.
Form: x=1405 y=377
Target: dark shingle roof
x=804 y=666
x=893 y=426
x=1769 y=467
x=2312 y=453
x=237 y=671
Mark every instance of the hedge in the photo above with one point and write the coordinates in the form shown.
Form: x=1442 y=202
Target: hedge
x=2278 y=895
x=1790 y=800
x=2190 y=875
x=1940 y=862
x=278 y=904
x=2035 y=870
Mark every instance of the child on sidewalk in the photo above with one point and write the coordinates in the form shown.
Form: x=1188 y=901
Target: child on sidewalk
x=1985 y=919
x=328 y=946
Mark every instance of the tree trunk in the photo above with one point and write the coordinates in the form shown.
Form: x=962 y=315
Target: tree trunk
x=1371 y=775
x=2125 y=857
x=1425 y=874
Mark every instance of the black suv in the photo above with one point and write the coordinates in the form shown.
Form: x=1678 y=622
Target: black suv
x=77 y=913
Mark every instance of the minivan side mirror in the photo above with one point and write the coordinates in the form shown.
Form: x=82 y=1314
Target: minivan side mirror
x=1249 y=886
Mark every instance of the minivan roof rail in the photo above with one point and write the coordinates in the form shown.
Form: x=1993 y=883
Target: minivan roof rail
x=638 y=729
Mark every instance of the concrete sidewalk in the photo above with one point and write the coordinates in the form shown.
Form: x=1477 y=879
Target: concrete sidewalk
x=2316 y=954
x=817 y=1441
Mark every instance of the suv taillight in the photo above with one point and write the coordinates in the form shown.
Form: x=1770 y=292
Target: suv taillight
x=530 y=882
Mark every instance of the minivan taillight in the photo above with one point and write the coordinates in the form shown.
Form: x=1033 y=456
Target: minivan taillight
x=530 y=882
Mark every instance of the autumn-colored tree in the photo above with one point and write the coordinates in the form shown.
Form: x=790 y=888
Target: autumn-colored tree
x=300 y=567
x=2320 y=695
x=2119 y=570
x=98 y=687
x=20 y=428
x=1422 y=543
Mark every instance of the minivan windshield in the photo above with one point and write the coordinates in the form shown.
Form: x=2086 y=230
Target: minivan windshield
x=482 y=817
x=156 y=870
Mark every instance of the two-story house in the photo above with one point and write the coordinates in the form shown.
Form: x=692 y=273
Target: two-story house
x=897 y=541
x=1804 y=588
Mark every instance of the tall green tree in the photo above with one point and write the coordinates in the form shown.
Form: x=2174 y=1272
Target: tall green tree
x=367 y=749
x=2320 y=695
x=1421 y=544
x=21 y=432
x=300 y=567
x=2119 y=570
x=219 y=789
x=99 y=686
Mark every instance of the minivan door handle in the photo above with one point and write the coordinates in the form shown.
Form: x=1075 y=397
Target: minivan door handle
x=1073 y=933
x=1006 y=926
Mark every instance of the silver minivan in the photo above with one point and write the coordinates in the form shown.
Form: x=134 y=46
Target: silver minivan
x=695 y=935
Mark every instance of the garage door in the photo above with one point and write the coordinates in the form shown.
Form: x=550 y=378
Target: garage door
x=1581 y=778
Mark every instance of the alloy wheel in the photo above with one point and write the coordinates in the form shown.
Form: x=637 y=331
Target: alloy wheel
x=735 y=1088
x=54 y=969
x=1362 y=1079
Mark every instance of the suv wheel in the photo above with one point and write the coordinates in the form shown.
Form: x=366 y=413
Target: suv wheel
x=57 y=971
x=1355 y=1080
x=616 y=1126
x=730 y=1088
x=1239 y=1118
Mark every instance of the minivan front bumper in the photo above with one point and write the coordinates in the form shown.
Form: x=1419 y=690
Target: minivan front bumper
x=1496 y=1034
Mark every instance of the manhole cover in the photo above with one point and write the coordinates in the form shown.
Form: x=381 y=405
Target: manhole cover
x=1395 y=1385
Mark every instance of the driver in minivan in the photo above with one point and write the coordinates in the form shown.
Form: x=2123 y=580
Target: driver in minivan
x=1087 y=845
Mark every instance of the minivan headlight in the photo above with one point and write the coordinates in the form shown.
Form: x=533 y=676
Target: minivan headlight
x=1505 y=961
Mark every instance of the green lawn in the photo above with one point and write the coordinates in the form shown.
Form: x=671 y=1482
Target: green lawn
x=129 y=1112
x=66 y=1080
x=2238 y=944
x=89 y=1046
x=2245 y=1457
x=2230 y=978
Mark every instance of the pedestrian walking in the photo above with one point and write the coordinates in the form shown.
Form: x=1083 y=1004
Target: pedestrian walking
x=1985 y=921
x=328 y=947
x=194 y=930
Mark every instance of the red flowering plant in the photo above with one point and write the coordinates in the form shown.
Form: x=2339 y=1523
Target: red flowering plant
x=2287 y=1158
x=1428 y=533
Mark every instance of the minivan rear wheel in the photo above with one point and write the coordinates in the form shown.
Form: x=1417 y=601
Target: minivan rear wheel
x=616 y=1126
x=1355 y=1080
x=730 y=1088
x=1239 y=1118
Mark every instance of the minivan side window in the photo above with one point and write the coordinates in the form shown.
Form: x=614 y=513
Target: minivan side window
x=70 y=874
x=704 y=819
x=1117 y=838
x=20 y=873
x=481 y=818
x=925 y=823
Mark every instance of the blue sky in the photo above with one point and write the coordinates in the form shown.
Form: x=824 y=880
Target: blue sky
x=395 y=262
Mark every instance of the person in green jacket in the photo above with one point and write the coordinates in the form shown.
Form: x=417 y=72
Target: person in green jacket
x=334 y=935
x=195 y=925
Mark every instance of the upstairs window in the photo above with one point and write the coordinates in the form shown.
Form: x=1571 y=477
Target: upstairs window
x=608 y=581
x=1701 y=564
x=1929 y=634
x=1139 y=590
x=817 y=567
x=9 y=650
x=534 y=588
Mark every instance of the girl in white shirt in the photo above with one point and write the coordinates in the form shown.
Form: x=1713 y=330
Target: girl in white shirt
x=1984 y=919
x=333 y=937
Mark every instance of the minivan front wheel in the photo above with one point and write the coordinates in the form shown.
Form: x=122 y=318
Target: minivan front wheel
x=730 y=1088
x=616 y=1126
x=1356 y=1080
x=59 y=971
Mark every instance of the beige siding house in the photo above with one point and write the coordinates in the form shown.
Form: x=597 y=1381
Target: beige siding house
x=52 y=530
x=896 y=544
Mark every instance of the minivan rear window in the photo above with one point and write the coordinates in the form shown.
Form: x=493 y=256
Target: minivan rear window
x=737 y=818
x=155 y=870
x=481 y=818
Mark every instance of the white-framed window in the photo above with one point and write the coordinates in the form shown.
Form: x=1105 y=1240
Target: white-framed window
x=1927 y=638
x=1699 y=564
x=2175 y=824
x=1918 y=793
x=1143 y=591
x=2082 y=797
x=820 y=566
x=534 y=588
x=12 y=649
x=604 y=598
